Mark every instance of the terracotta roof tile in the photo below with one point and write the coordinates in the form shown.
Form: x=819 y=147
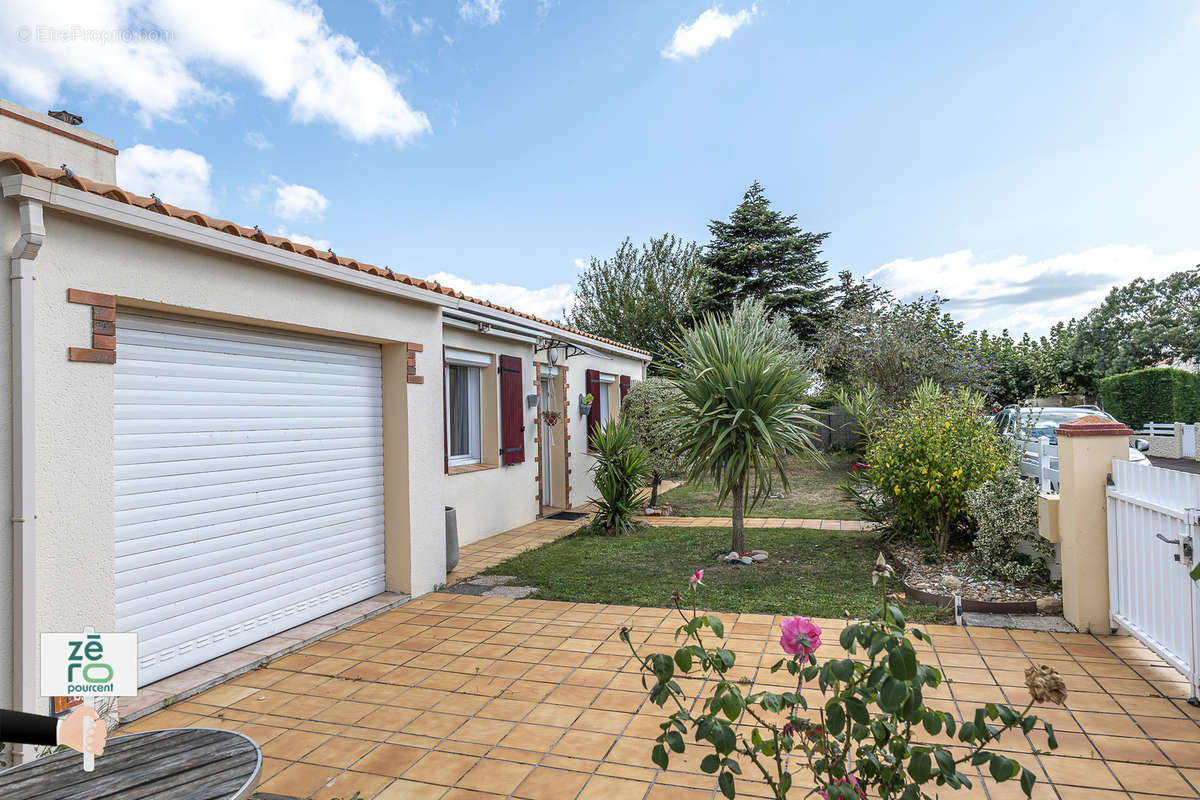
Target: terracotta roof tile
x=58 y=175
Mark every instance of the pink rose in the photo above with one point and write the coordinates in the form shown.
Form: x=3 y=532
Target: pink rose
x=849 y=780
x=800 y=636
x=697 y=578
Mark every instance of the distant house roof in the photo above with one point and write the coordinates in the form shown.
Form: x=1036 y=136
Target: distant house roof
x=67 y=178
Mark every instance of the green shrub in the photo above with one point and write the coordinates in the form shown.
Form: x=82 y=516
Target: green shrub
x=1160 y=394
x=1005 y=513
x=925 y=457
x=619 y=473
x=647 y=410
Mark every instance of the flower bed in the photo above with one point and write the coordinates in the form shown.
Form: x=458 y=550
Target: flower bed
x=954 y=574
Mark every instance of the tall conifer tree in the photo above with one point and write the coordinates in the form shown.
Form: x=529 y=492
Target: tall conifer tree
x=761 y=253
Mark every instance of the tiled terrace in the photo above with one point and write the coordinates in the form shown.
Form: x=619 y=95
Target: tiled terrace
x=457 y=697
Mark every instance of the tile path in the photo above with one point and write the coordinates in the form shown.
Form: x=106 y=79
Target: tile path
x=458 y=697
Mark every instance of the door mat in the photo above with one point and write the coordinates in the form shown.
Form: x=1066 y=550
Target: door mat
x=567 y=515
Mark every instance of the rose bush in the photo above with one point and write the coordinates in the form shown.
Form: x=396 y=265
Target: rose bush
x=862 y=738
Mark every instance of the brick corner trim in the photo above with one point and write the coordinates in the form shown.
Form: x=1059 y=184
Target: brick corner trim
x=413 y=349
x=104 y=328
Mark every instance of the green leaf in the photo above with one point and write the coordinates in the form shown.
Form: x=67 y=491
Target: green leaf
x=919 y=766
x=726 y=784
x=674 y=741
x=835 y=718
x=717 y=626
x=1003 y=768
x=1028 y=779
x=1050 y=737
x=892 y=694
x=683 y=658
x=710 y=763
x=846 y=639
x=857 y=710
x=659 y=756
x=731 y=704
x=932 y=722
x=843 y=669
x=902 y=662
x=662 y=667
x=945 y=762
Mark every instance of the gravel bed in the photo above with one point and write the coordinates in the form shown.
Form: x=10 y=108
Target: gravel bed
x=954 y=574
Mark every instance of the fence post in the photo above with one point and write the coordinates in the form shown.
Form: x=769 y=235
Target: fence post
x=1086 y=449
x=1043 y=460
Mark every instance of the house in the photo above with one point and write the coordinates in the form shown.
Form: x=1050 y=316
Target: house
x=218 y=434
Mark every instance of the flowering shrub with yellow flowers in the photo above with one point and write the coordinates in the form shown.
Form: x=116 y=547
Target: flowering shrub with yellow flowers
x=925 y=457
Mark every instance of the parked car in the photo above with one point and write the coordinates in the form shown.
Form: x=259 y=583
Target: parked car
x=1026 y=425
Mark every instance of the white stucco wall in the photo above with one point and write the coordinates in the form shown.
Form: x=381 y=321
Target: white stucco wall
x=495 y=500
x=582 y=486
x=75 y=400
x=51 y=148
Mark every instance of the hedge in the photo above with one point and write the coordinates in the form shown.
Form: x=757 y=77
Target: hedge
x=1160 y=394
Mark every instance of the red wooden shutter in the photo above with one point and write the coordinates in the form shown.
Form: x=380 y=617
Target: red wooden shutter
x=624 y=387
x=512 y=414
x=445 y=422
x=593 y=388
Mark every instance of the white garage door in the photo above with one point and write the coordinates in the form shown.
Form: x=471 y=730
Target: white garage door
x=249 y=484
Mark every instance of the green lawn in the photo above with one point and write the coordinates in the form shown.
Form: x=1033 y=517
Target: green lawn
x=814 y=573
x=815 y=493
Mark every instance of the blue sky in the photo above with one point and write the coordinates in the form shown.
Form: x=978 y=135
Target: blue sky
x=1020 y=157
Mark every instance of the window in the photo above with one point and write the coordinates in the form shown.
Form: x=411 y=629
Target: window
x=606 y=382
x=463 y=414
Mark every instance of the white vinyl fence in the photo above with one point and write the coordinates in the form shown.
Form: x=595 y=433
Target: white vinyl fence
x=1153 y=528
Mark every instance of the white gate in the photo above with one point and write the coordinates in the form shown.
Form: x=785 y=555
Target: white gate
x=1153 y=528
x=1189 y=440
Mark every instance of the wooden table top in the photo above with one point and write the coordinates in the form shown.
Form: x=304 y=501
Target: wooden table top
x=176 y=764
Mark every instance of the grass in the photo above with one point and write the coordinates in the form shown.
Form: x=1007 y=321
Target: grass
x=815 y=493
x=809 y=572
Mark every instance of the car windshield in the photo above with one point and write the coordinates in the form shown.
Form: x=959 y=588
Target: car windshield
x=1035 y=423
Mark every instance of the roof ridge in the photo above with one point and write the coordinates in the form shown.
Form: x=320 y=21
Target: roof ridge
x=116 y=193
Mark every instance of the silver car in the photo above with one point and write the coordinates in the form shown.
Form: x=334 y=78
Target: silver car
x=1026 y=425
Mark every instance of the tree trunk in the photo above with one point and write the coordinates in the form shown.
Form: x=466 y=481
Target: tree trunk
x=655 y=480
x=739 y=522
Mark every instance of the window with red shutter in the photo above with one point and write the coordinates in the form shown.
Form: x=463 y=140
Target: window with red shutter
x=624 y=387
x=592 y=377
x=512 y=413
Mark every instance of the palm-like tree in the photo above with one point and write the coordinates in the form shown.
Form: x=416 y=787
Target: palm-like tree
x=742 y=411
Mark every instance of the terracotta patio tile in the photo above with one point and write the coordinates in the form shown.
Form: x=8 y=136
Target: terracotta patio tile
x=293 y=745
x=411 y=790
x=388 y=759
x=441 y=768
x=299 y=780
x=500 y=777
x=339 y=752
x=432 y=723
x=551 y=784
x=584 y=744
x=1152 y=779
x=601 y=787
x=482 y=731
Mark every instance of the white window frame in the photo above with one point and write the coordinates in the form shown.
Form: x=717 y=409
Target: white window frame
x=474 y=363
x=605 y=398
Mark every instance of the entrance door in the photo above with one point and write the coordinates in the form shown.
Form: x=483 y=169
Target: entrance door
x=547 y=437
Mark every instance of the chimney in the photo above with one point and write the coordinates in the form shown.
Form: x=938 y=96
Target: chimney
x=55 y=139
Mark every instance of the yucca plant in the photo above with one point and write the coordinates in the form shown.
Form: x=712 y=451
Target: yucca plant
x=742 y=412
x=620 y=473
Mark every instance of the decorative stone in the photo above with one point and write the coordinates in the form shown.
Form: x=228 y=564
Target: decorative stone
x=1049 y=605
x=758 y=556
x=951 y=582
x=732 y=557
x=747 y=560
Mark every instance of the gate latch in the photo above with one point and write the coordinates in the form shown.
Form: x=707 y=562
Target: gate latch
x=1186 y=545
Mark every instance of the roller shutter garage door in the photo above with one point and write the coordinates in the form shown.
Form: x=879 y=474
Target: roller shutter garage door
x=249 y=484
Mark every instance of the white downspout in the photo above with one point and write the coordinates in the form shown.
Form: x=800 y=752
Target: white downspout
x=24 y=455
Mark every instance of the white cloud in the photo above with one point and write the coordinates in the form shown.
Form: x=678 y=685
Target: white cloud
x=257 y=140
x=709 y=28
x=299 y=238
x=293 y=201
x=167 y=50
x=1024 y=295
x=179 y=177
x=386 y=7
x=420 y=26
x=547 y=303
x=580 y=263
x=484 y=12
